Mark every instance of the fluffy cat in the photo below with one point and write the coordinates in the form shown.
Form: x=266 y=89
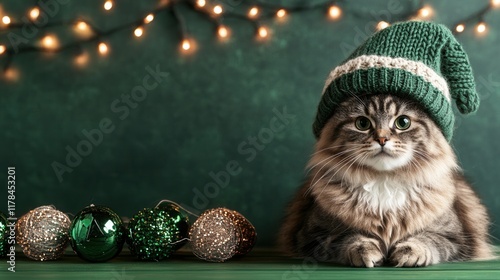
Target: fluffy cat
x=384 y=187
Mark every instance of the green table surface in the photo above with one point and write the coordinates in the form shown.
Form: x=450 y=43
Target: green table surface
x=259 y=264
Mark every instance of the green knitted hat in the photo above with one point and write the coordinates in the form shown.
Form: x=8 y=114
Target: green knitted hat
x=415 y=59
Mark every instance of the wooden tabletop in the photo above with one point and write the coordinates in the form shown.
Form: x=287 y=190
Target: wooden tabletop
x=259 y=264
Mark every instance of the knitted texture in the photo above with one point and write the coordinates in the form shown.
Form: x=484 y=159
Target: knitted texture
x=415 y=59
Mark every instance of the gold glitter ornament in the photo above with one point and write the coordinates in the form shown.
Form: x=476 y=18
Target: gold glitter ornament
x=219 y=234
x=42 y=233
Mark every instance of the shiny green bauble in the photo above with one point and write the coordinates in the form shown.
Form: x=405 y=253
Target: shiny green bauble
x=97 y=234
x=4 y=231
x=154 y=234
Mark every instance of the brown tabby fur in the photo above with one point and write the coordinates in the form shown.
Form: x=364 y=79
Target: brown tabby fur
x=333 y=218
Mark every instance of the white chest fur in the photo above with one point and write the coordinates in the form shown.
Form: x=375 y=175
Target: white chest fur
x=383 y=195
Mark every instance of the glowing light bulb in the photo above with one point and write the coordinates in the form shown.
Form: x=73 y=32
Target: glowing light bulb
x=253 y=12
x=186 y=45
x=495 y=3
x=82 y=26
x=49 y=42
x=11 y=74
x=82 y=59
x=281 y=13
x=149 y=18
x=34 y=13
x=460 y=28
x=2 y=49
x=218 y=10
x=263 y=32
x=223 y=31
x=108 y=5
x=138 y=31
x=103 y=48
x=481 y=27
x=82 y=29
x=201 y=3
x=425 y=12
x=382 y=24
x=334 y=12
x=6 y=20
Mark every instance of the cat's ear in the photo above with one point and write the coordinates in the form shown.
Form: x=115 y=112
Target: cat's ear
x=456 y=69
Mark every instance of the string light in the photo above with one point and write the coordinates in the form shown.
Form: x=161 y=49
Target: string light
x=163 y=3
x=11 y=74
x=334 y=12
x=82 y=59
x=6 y=20
x=186 y=45
x=108 y=5
x=34 y=13
x=201 y=3
x=138 y=31
x=103 y=48
x=425 y=12
x=223 y=31
x=82 y=29
x=481 y=27
x=149 y=18
x=218 y=9
x=263 y=32
x=50 y=42
x=82 y=26
x=281 y=13
x=382 y=24
x=460 y=28
x=253 y=12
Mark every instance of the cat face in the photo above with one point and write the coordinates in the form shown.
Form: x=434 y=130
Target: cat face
x=383 y=133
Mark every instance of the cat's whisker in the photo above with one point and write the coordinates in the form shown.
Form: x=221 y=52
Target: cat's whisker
x=314 y=183
x=330 y=159
x=348 y=160
x=336 y=146
x=330 y=169
x=355 y=160
x=424 y=156
x=334 y=155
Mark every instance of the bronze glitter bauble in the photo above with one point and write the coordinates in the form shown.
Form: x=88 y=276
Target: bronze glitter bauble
x=42 y=233
x=219 y=234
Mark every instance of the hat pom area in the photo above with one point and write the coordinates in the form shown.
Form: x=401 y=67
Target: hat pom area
x=456 y=69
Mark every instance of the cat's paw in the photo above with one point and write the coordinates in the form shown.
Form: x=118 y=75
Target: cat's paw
x=411 y=253
x=365 y=252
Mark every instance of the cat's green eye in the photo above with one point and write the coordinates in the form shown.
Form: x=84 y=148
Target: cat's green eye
x=402 y=122
x=363 y=123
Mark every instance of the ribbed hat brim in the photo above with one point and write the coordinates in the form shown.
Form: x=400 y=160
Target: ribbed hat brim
x=386 y=80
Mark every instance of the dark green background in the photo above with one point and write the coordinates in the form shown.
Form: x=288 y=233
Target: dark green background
x=211 y=102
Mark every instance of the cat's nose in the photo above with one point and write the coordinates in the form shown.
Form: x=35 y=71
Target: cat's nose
x=382 y=136
x=381 y=140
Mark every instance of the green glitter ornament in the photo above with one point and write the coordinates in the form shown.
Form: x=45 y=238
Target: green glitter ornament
x=97 y=234
x=154 y=234
x=3 y=235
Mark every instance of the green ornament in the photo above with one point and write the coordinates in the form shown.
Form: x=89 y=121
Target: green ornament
x=154 y=234
x=97 y=234
x=3 y=235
